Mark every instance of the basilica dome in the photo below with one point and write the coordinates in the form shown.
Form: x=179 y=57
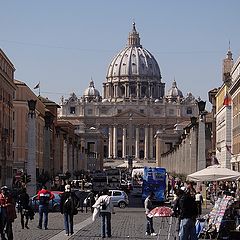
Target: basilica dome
x=174 y=92
x=135 y=70
x=134 y=60
x=91 y=93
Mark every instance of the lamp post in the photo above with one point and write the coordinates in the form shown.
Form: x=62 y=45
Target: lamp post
x=31 y=162
x=130 y=157
x=201 y=159
x=47 y=163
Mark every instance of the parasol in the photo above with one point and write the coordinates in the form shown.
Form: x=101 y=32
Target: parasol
x=161 y=212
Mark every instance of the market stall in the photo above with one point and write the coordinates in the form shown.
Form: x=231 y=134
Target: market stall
x=223 y=220
x=214 y=173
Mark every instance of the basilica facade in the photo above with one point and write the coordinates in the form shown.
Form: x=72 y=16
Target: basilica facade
x=132 y=107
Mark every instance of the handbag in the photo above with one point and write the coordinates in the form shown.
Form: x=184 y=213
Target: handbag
x=75 y=211
x=11 y=213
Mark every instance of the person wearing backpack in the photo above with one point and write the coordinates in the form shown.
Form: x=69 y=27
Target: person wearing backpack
x=105 y=206
x=68 y=207
x=23 y=205
x=44 y=196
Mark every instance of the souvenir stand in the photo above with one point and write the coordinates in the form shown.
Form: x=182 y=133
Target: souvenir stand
x=220 y=220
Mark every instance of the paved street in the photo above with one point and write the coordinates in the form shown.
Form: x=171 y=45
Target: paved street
x=128 y=223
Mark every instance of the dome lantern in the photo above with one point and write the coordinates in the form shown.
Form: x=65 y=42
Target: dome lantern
x=133 y=38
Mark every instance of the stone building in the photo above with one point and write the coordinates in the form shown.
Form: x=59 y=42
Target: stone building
x=7 y=89
x=235 y=94
x=223 y=114
x=132 y=108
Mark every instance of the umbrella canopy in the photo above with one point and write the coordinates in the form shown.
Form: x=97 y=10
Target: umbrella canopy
x=135 y=165
x=214 y=173
x=161 y=212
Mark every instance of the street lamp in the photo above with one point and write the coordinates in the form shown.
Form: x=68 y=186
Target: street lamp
x=32 y=106
x=32 y=133
x=201 y=159
x=130 y=158
x=201 y=108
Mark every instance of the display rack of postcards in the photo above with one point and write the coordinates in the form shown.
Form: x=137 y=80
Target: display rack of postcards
x=218 y=211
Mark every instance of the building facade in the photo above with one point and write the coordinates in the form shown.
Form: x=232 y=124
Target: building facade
x=133 y=106
x=7 y=89
x=235 y=94
x=223 y=115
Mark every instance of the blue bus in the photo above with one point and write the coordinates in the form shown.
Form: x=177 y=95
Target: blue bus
x=154 y=180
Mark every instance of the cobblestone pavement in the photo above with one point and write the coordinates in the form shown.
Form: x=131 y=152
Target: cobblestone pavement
x=55 y=226
x=129 y=223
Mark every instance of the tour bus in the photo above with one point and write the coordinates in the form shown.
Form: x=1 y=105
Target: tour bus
x=99 y=181
x=154 y=180
x=137 y=181
x=113 y=178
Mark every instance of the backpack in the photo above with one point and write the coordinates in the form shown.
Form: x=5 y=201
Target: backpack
x=103 y=205
x=68 y=204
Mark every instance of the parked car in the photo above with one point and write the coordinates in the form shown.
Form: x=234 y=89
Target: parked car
x=119 y=198
x=126 y=186
x=54 y=204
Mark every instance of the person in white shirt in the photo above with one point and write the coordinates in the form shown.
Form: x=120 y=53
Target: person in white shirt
x=148 y=207
x=199 y=201
x=105 y=206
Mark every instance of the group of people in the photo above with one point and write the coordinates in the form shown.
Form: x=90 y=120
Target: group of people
x=187 y=207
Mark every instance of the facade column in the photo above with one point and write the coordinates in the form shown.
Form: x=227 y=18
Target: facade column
x=193 y=150
x=138 y=90
x=137 y=143
x=110 y=141
x=201 y=163
x=151 y=143
x=159 y=149
x=75 y=157
x=124 y=144
x=114 y=141
x=146 y=143
x=70 y=157
x=65 y=155
x=57 y=152
x=82 y=157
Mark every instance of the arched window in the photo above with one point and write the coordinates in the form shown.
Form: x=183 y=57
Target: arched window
x=189 y=110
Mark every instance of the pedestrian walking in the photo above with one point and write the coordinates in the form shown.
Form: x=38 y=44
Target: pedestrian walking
x=188 y=214
x=90 y=200
x=44 y=196
x=176 y=207
x=68 y=207
x=24 y=208
x=105 y=207
x=199 y=202
x=8 y=213
x=148 y=204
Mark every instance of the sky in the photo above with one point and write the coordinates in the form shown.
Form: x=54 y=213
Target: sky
x=64 y=44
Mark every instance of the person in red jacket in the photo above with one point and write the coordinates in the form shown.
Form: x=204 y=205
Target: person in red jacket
x=8 y=213
x=44 y=196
